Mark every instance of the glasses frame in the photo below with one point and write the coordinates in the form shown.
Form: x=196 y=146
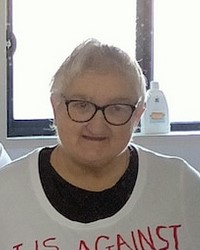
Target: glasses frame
x=102 y=108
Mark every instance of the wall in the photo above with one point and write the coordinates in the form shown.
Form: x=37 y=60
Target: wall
x=186 y=145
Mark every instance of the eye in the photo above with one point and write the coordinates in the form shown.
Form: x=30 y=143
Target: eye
x=117 y=108
x=81 y=105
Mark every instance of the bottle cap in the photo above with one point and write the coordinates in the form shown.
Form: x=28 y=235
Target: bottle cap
x=154 y=85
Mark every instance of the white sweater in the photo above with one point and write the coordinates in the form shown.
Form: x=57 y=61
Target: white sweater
x=163 y=211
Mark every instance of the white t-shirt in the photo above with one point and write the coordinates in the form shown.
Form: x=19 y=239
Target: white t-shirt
x=163 y=211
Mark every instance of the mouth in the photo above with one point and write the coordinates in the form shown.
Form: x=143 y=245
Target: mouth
x=94 y=138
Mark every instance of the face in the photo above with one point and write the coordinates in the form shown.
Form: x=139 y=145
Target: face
x=96 y=141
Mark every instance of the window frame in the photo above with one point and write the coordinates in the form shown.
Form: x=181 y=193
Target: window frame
x=144 y=55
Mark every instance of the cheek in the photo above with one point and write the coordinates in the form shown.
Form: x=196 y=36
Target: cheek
x=123 y=135
x=65 y=128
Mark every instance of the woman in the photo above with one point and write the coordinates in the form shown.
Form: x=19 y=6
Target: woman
x=95 y=189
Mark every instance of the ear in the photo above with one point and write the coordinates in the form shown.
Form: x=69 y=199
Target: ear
x=55 y=101
x=138 y=113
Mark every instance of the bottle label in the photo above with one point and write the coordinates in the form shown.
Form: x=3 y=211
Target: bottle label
x=157 y=117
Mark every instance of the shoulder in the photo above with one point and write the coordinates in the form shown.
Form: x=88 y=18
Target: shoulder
x=12 y=174
x=145 y=153
x=166 y=163
x=23 y=159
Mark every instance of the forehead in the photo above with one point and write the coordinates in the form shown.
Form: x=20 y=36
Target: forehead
x=101 y=87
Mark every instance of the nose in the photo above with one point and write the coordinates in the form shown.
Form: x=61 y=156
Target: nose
x=98 y=123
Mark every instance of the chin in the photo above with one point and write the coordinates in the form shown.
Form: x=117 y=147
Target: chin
x=97 y=154
x=94 y=160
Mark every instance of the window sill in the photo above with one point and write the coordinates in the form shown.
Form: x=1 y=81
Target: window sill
x=139 y=134
x=170 y=134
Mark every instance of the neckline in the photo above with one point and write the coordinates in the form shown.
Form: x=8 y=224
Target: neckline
x=83 y=205
x=60 y=219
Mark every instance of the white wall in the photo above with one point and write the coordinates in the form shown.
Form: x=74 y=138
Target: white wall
x=186 y=145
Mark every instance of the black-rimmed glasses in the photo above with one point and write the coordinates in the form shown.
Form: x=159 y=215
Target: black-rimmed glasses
x=115 y=114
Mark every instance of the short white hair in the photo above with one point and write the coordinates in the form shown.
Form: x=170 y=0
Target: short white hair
x=93 y=56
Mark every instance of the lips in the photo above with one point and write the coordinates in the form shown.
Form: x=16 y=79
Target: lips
x=94 y=138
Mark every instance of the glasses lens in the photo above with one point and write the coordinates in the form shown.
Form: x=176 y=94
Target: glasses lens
x=80 y=111
x=118 y=114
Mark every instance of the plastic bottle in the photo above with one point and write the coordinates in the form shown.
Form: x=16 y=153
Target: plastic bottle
x=155 y=119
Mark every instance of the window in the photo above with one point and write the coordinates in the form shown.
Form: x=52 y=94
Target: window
x=40 y=34
x=176 y=59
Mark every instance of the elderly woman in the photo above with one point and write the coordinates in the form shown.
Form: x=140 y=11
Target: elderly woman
x=95 y=189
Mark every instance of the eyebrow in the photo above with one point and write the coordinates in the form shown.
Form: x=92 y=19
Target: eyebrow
x=111 y=101
x=121 y=100
x=79 y=97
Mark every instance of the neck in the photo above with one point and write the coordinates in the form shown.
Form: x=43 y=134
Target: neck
x=93 y=177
